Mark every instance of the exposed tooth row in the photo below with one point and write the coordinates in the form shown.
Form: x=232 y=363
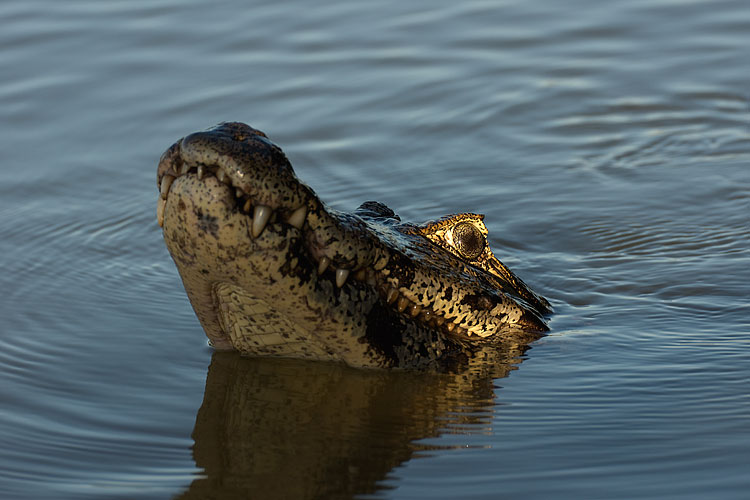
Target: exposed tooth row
x=262 y=214
x=425 y=313
x=393 y=298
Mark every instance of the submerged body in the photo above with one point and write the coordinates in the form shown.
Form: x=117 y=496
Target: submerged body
x=272 y=271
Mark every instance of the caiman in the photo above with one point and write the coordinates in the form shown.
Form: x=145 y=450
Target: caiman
x=270 y=270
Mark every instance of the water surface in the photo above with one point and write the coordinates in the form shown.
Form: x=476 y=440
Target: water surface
x=607 y=144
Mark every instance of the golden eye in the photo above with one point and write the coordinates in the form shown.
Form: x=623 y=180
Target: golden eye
x=468 y=240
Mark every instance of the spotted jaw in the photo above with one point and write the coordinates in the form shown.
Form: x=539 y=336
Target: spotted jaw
x=240 y=204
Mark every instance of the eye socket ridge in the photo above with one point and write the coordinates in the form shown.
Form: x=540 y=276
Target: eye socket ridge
x=468 y=240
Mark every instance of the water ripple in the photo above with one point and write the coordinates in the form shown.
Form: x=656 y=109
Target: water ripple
x=607 y=145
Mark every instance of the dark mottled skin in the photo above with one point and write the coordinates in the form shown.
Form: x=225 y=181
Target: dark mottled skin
x=409 y=295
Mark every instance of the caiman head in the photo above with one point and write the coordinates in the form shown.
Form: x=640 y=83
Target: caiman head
x=272 y=271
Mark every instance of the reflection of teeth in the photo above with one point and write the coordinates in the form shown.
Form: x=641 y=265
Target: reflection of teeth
x=260 y=219
x=341 y=275
x=421 y=312
x=166 y=183
x=297 y=219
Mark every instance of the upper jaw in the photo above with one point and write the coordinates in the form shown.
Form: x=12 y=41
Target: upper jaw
x=244 y=158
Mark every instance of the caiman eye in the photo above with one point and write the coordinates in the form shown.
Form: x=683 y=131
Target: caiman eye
x=468 y=240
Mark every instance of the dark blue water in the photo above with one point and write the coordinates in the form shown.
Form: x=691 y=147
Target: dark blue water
x=607 y=143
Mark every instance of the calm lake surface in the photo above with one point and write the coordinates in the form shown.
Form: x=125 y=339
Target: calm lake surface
x=607 y=143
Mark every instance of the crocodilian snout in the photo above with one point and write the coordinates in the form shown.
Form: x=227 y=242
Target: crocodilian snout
x=263 y=258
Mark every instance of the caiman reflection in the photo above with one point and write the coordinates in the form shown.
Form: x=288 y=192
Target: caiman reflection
x=283 y=428
x=272 y=271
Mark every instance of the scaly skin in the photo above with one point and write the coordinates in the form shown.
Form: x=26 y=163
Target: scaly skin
x=272 y=271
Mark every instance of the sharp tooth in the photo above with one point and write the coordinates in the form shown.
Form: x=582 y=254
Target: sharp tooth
x=450 y=326
x=166 y=182
x=341 y=275
x=401 y=304
x=371 y=277
x=439 y=320
x=414 y=310
x=360 y=275
x=185 y=168
x=223 y=177
x=246 y=208
x=201 y=172
x=323 y=265
x=238 y=193
x=160 y=206
x=427 y=315
x=297 y=219
x=392 y=295
x=260 y=218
